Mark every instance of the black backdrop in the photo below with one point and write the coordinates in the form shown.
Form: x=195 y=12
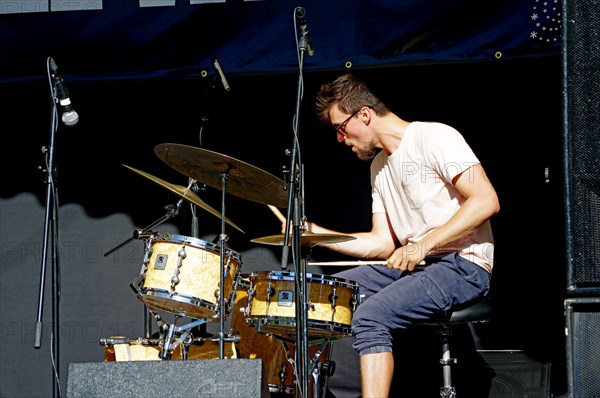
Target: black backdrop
x=509 y=111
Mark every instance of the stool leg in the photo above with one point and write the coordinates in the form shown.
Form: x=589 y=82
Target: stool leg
x=447 y=391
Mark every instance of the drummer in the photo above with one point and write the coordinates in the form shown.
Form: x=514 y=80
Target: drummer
x=431 y=200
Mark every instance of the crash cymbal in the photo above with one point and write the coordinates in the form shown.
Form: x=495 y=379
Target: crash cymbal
x=243 y=180
x=185 y=193
x=306 y=239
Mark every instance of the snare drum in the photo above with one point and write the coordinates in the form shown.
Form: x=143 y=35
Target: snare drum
x=331 y=303
x=181 y=275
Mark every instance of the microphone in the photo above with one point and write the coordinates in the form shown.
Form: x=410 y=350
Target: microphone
x=301 y=16
x=221 y=74
x=69 y=116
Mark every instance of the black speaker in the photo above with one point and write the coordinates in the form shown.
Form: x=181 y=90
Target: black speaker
x=583 y=347
x=190 y=378
x=581 y=99
x=515 y=374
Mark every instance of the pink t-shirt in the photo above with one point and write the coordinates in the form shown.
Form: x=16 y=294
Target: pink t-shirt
x=414 y=187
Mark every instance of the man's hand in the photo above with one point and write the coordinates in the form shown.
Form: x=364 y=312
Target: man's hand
x=406 y=258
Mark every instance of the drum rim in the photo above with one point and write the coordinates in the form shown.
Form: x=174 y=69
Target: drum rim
x=335 y=327
x=164 y=294
x=197 y=243
x=290 y=275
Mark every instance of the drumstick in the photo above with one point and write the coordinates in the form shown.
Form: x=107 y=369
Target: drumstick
x=277 y=213
x=352 y=263
x=347 y=263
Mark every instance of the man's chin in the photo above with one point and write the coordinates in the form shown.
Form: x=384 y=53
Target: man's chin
x=364 y=154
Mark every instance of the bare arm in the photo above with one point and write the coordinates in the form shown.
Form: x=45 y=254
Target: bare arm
x=378 y=243
x=481 y=203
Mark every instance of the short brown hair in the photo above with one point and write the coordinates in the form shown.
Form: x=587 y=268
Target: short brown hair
x=350 y=93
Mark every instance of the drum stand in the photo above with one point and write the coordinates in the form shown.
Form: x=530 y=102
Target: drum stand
x=184 y=338
x=316 y=369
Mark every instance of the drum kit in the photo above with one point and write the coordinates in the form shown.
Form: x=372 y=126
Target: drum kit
x=186 y=277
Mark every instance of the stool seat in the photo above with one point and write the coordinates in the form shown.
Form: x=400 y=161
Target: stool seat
x=480 y=311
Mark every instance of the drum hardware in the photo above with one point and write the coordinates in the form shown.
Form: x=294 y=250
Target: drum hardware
x=172 y=336
x=316 y=368
x=123 y=340
x=172 y=211
x=319 y=369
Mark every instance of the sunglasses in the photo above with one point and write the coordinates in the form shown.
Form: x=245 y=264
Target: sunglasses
x=340 y=128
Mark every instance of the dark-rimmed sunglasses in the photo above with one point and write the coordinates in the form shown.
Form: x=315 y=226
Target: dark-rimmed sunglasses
x=339 y=129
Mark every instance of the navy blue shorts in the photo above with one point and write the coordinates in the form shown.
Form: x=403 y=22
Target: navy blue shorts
x=394 y=299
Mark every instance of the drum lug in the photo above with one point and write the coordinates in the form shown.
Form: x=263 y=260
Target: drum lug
x=181 y=255
x=147 y=255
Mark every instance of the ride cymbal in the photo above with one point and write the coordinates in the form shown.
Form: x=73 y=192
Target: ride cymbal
x=184 y=193
x=243 y=180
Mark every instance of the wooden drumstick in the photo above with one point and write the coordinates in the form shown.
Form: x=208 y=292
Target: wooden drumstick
x=347 y=263
x=352 y=263
x=277 y=213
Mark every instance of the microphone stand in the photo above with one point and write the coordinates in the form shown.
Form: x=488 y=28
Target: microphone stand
x=195 y=229
x=51 y=240
x=295 y=205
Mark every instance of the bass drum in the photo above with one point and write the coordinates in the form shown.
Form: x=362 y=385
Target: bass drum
x=122 y=349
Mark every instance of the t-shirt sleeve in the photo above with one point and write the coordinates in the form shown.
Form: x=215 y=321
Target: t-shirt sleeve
x=449 y=154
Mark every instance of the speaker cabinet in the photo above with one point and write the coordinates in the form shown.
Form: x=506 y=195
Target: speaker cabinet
x=583 y=347
x=190 y=378
x=581 y=99
x=515 y=374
